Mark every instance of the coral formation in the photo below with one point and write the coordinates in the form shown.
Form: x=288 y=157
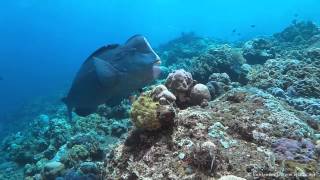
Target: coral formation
x=220 y=59
x=289 y=149
x=250 y=121
x=218 y=84
x=218 y=131
x=54 y=139
x=179 y=83
x=186 y=89
x=258 y=51
x=163 y=95
x=199 y=93
x=299 y=32
x=298 y=78
x=150 y=115
x=188 y=45
x=206 y=156
x=52 y=170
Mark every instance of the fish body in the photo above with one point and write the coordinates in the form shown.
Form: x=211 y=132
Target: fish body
x=112 y=73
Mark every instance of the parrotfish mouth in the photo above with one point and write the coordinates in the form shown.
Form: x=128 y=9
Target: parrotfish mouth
x=156 y=68
x=158 y=62
x=156 y=71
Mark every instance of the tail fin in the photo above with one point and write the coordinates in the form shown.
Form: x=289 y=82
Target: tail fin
x=64 y=100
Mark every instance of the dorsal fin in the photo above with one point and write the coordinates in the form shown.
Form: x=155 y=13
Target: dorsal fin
x=103 y=49
x=135 y=36
x=106 y=73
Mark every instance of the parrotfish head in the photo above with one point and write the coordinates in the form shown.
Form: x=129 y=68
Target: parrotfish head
x=143 y=58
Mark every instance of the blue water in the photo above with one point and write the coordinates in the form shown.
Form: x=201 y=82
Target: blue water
x=43 y=42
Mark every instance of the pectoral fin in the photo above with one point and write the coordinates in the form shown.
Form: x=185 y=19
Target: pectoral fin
x=106 y=73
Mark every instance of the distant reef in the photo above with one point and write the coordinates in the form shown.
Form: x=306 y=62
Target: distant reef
x=245 y=110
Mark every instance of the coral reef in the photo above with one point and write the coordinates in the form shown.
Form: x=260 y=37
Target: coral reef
x=299 y=32
x=241 y=126
x=220 y=59
x=298 y=78
x=188 y=45
x=52 y=146
x=225 y=111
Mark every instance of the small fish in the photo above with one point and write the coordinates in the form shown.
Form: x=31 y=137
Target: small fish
x=296 y=15
x=233 y=31
x=253 y=26
x=112 y=73
x=239 y=34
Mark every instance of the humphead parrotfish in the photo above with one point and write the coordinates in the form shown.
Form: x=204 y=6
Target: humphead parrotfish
x=112 y=73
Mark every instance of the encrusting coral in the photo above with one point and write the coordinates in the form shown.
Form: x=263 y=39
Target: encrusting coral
x=149 y=114
x=144 y=113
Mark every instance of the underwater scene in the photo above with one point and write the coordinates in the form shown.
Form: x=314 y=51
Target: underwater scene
x=159 y=89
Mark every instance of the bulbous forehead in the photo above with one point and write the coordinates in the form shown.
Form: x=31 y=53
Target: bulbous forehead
x=140 y=43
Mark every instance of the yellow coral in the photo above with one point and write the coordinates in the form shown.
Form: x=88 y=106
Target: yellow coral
x=144 y=113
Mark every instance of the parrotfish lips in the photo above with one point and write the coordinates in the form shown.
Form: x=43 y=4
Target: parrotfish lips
x=156 y=71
